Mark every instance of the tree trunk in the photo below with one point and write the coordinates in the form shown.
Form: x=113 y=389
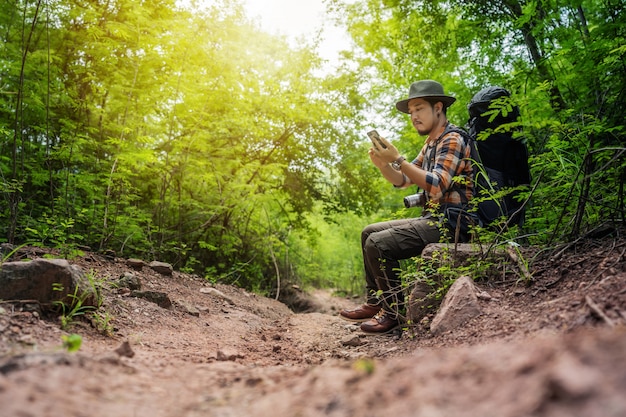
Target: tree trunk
x=534 y=50
x=584 y=191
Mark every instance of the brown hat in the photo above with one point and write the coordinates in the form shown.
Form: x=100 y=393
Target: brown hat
x=425 y=89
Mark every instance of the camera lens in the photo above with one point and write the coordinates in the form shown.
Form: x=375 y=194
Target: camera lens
x=414 y=200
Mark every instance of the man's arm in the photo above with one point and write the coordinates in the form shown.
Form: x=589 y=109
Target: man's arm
x=397 y=178
x=414 y=174
x=448 y=158
x=409 y=173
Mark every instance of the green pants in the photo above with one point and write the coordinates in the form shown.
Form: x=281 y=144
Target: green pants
x=384 y=245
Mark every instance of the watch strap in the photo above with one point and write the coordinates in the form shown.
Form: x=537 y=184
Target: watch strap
x=398 y=163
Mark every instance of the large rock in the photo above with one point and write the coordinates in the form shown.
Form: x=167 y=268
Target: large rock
x=421 y=301
x=47 y=281
x=459 y=305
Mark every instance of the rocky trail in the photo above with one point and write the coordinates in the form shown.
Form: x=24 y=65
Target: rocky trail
x=555 y=347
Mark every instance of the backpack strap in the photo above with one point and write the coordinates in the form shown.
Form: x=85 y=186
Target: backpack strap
x=474 y=155
x=458 y=218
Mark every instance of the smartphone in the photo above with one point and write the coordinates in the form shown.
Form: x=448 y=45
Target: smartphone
x=374 y=136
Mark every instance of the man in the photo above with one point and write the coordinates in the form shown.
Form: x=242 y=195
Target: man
x=442 y=158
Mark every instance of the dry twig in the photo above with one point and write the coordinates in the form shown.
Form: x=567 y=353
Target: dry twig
x=598 y=311
x=526 y=275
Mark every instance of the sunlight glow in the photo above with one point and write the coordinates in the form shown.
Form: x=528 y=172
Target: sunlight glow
x=295 y=19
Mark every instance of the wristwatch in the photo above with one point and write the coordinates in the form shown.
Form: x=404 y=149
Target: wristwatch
x=398 y=163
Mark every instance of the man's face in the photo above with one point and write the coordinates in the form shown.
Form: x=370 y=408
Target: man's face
x=423 y=115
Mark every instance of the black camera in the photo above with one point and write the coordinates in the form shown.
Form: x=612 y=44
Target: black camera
x=415 y=200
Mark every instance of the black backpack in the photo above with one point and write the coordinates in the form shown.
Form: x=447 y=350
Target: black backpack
x=501 y=157
x=500 y=161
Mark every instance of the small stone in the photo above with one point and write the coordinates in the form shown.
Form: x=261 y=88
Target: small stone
x=136 y=264
x=162 y=268
x=483 y=295
x=351 y=327
x=352 y=340
x=217 y=293
x=188 y=308
x=157 y=297
x=125 y=350
x=130 y=281
x=228 y=355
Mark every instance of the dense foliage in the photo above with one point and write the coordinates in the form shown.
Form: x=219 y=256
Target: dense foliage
x=564 y=62
x=189 y=135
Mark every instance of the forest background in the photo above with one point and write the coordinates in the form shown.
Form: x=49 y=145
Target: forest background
x=184 y=133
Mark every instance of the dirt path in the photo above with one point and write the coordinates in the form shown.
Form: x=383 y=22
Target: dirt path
x=541 y=350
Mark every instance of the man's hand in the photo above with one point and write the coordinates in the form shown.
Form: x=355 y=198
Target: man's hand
x=380 y=164
x=382 y=156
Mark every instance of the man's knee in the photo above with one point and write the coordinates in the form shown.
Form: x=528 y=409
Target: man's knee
x=369 y=244
x=371 y=248
x=367 y=230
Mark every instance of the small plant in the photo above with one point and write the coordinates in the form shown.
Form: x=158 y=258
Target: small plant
x=10 y=253
x=103 y=322
x=190 y=266
x=59 y=233
x=72 y=342
x=76 y=308
x=365 y=365
x=100 y=319
x=95 y=285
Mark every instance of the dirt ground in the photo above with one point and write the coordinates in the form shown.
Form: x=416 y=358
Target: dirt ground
x=555 y=347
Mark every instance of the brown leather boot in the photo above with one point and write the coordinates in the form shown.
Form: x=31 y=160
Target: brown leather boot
x=361 y=313
x=380 y=324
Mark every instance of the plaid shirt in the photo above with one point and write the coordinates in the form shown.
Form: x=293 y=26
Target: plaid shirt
x=447 y=158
